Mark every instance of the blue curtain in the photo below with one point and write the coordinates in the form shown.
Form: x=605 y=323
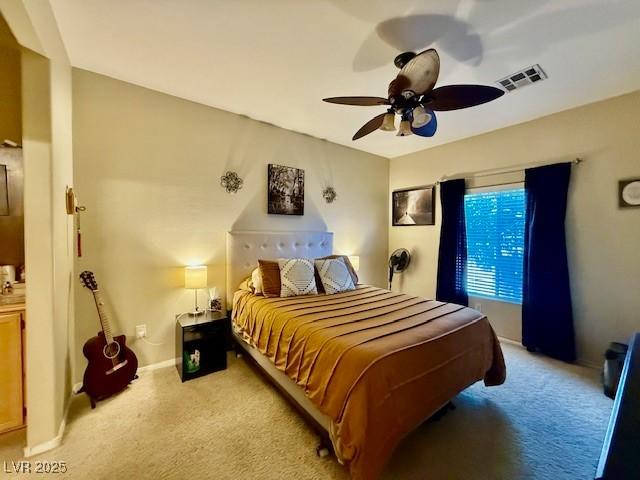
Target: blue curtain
x=547 y=316
x=452 y=259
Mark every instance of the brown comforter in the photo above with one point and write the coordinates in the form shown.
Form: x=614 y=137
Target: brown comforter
x=377 y=363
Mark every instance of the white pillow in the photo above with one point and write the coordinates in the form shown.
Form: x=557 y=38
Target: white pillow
x=256 y=281
x=334 y=275
x=297 y=277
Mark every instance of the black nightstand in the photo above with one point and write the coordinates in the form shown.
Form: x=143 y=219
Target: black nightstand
x=201 y=344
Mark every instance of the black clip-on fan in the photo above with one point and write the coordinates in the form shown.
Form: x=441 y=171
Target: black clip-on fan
x=398 y=262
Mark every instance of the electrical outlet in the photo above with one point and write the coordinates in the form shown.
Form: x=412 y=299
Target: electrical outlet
x=478 y=306
x=141 y=331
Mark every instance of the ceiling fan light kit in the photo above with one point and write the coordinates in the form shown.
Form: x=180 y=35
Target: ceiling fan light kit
x=389 y=122
x=420 y=117
x=405 y=129
x=412 y=96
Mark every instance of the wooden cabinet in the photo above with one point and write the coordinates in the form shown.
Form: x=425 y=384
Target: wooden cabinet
x=11 y=368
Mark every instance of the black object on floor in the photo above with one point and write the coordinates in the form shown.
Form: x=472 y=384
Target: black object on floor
x=619 y=457
x=442 y=412
x=614 y=361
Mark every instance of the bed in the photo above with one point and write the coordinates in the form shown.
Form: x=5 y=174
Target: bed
x=366 y=366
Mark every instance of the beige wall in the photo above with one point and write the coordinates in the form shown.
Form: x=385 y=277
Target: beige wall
x=10 y=114
x=12 y=226
x=63 y=231
x=37 y=143
x=602 y=239
x=11 y=111
x=48 y=236
x=148 y=167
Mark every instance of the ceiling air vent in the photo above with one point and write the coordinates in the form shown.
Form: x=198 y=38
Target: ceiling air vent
x=522 y=78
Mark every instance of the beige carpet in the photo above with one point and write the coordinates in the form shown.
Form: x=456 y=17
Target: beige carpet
x=546 y=422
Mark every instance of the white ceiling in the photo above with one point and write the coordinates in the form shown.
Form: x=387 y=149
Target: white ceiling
x=274 y=60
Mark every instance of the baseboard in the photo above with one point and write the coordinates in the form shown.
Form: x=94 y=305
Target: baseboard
x=55 y=441
x=588 y=364
x=581 y=362
x=509 y=341
x=155 y=366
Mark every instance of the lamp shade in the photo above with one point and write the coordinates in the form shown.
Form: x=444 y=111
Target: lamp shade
x=355 y=262
x=195 y=277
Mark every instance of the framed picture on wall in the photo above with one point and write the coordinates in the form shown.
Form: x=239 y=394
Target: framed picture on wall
x=413 y=206
x=628 y=193
x=285 y=190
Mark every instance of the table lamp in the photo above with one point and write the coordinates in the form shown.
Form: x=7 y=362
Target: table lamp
x=355 y=261
x=195 y=278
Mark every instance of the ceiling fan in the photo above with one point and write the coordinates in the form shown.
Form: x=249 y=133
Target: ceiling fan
x=413 y=97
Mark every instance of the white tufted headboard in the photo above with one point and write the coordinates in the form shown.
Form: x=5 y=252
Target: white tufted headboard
x=245 y=248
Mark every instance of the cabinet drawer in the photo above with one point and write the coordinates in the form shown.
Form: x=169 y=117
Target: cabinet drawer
x=11 y=401
x=200 y=332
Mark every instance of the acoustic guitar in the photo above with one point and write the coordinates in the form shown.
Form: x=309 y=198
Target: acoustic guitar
x=112 y=366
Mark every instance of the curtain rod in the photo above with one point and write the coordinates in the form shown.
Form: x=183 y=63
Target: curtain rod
x=499 y=171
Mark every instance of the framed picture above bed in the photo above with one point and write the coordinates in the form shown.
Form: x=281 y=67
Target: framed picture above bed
x=285 y=190
x=413 y=206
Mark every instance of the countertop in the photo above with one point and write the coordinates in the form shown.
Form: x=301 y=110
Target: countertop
x=12 y=307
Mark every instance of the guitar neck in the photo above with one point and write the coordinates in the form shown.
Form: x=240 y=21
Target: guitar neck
x=104 y=318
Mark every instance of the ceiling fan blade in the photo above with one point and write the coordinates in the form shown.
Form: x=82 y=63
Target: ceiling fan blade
x=428 y=129
x=371 y=126
x=455 y=97
x=360 y=101
x=419 y=74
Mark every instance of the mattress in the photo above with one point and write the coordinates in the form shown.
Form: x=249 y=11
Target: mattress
x=377 y=363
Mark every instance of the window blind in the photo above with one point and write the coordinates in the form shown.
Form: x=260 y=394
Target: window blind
x=495 y=243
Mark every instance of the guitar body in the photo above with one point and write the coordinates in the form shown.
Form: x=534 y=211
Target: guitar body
x=112 y=366
x=106 y=376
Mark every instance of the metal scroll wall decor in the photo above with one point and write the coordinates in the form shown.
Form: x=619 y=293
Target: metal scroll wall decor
x=231 y=182
x=329 y=194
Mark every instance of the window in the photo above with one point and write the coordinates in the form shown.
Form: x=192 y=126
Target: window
x=495 y=243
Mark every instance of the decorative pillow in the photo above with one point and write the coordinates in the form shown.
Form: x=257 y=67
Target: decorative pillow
x=245 y=285
x=335 y=275
x=270 y=275
x=256 y=282
x=297 y=277
x=347 y=262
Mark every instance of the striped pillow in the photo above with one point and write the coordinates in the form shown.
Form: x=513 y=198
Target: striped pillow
x=296 y=277
x=334 y=275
